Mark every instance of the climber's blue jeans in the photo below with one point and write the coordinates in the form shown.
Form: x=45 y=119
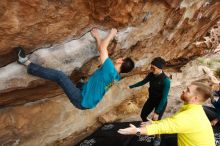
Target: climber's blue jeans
x=70 y=89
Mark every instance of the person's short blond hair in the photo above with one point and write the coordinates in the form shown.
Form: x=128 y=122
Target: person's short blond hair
x=202 y=90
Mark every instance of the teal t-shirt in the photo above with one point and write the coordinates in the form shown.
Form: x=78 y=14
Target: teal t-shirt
x=98 y=84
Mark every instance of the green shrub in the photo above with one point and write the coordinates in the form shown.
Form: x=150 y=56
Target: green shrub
x=217 y=72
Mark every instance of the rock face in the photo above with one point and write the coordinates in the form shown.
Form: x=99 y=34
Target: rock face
x=43 y=122
x=56 y=34
x=171 y=23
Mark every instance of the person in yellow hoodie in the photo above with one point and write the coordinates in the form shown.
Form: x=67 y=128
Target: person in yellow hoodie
x=190 y=122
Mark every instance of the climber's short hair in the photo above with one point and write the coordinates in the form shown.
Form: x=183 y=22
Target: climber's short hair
x=202 y=90
x=127 y=65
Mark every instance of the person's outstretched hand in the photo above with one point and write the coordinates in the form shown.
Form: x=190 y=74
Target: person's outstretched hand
x=128 y=87
x=113 y=32
x=128 y=131
x=95 y=33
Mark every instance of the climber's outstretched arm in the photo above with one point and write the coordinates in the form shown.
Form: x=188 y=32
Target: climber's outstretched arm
x=103 y=44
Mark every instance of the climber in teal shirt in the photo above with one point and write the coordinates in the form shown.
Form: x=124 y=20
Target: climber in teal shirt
x=99 y=83
x=88 y=95
x=101 y=80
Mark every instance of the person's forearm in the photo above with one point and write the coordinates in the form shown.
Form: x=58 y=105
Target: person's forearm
x=175 y=124
x=162 y=105
x=163 y=101
x=104 y=44
x=102 y=47
x=143 y=130
x=141 y=83
x=106 y=41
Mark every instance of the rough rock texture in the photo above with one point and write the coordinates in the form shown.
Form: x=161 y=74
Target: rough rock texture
x=43 y=122
x=51 y=120
x=171 y=23
x=153 y=29
x=45 y=22
x=56 y=34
